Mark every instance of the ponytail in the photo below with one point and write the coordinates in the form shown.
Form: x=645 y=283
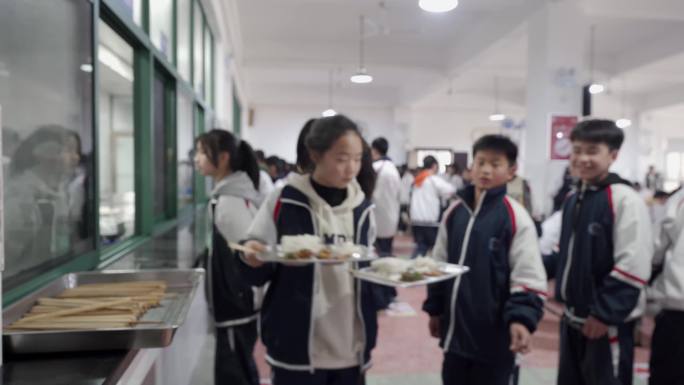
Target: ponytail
x=367 y=176
x=247 y=162
x=242 y=157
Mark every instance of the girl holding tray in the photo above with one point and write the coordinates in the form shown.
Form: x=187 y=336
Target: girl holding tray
x=319 y=325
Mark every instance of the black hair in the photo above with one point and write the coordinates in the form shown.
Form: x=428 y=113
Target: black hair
x=260 y=156
x=242 y=157
x=324 y=132
x=598 y=131
x=429 y=161
x=380 y=145
x=304 y=162
x=497 y=143
x=273 y=161
x=458 y=170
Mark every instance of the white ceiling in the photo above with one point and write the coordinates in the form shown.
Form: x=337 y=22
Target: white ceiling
x=289 y=47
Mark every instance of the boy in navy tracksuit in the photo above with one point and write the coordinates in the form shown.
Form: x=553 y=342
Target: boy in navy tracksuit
x=603 y=263
x=487 y=315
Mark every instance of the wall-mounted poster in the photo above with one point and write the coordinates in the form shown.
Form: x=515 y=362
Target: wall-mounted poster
x=560 y=145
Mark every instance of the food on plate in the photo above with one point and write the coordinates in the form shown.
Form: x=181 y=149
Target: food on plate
x=302 y=247
x=406 y=270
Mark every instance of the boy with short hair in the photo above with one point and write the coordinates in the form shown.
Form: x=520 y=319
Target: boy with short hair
x=487 y=315
x=604 y=261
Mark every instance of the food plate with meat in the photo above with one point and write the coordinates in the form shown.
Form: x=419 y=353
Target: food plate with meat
x=308 y=249
x=398 y=272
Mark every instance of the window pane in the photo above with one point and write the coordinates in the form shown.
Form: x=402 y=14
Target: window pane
x=46 y=96
x=133 y=8
x=185 y=150
x=159 y=144
x=198 y=45
x=207 y=65
x=161 y=26
x=116 y=137
x=183 y=32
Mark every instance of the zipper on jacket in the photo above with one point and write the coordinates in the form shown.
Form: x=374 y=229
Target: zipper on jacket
x=571 y=246
x=464 y=251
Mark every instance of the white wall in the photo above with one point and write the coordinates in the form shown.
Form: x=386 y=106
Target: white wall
x=276 y=128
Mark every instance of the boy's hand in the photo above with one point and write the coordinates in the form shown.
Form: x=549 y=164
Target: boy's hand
x=594 y=328
x=520 y=338
x=251 y=259
x=435 y=327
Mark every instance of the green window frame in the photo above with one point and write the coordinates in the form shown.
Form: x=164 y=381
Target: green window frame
x=148 y=63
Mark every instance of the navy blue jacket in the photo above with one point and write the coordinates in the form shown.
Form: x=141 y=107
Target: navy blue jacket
x=286 y=314
x=506 y=283
x=605 y=252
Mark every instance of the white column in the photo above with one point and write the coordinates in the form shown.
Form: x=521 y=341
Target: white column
x=555 y=73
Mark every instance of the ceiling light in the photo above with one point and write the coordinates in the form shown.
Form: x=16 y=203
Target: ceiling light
x=438 y=6
x=361 y=76
x=328 y=113
x=623 y=123
x=596 y=88
x=497 y=116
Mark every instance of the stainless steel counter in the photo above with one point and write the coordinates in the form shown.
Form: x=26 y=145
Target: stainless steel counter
x=174 y=249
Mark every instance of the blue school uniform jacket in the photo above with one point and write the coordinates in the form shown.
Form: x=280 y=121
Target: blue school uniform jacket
x=287 y=314
x=605 y=252
x=497 y=240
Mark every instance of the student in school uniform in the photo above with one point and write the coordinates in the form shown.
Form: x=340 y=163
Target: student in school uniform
x=486 y=316
x=233 y=205
x=603 y=263
x=319 y=325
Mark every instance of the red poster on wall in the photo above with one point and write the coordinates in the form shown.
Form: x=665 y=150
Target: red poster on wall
x=561 y=126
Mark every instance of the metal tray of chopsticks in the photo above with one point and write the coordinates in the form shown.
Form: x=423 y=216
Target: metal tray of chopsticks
x=156 y=329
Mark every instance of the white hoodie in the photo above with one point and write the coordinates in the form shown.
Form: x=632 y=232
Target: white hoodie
x=668 y=288
x=386 y=197
x=426 y=200
x=337 y=331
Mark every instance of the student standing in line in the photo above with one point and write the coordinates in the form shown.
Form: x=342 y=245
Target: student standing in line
x=319 y=325
x=233 y=205
x=386 y=196
x=426 y=205
x=667 y=346
x=486 y=316
x=387 y=208
x=604 y=262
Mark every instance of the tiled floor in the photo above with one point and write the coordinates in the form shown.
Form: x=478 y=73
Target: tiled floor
x=407 y=355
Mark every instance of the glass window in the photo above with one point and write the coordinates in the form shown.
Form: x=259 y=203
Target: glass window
x=116 y=137
x=185 y=150
x=46 y=94
x=160 y=145
x=198 y=48
x=183 y=50
x=133 y=8
x=207 y=65
x=161 y=26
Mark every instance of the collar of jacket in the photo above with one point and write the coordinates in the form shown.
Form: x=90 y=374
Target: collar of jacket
x=611 y=179
x=467 y=194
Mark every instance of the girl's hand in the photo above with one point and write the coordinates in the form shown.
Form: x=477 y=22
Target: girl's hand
x=251 y=258
x=520 y=338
